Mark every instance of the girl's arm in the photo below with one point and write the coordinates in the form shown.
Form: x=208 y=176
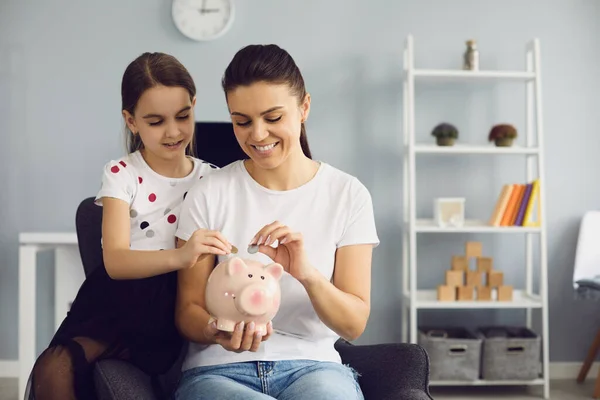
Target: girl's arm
x=344 y=305
x=119 y=260
x=123 y=263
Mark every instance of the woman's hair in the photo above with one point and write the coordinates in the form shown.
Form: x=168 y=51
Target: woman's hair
x=267 y=63
x=145 y=72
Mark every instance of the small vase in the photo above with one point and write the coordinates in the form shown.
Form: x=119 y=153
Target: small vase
x=471 y=56
x=504 y=142
x=444 y=141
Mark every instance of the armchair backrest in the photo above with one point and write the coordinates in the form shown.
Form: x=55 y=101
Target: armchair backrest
x=88 y=225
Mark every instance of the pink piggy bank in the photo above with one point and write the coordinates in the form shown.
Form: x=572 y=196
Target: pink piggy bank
x=243 y=290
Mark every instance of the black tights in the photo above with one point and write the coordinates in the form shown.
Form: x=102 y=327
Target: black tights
x=64 y=371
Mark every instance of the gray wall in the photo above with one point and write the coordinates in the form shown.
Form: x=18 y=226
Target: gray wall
x=60 y=69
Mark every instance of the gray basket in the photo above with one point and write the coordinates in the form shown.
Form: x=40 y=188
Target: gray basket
x=454 y=353
x=510 y=353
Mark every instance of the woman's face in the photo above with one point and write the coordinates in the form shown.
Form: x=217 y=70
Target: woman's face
x=266 y=120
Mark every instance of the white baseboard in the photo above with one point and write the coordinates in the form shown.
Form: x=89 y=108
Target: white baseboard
x=570 y=370
x=558 y=370
x=9 y=369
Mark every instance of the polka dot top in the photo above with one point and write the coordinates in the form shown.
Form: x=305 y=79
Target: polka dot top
x=154 y=200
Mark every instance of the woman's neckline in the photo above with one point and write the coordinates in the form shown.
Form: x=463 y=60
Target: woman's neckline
x=304 y=186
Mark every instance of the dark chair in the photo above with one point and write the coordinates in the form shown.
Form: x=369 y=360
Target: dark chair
x=386 y=371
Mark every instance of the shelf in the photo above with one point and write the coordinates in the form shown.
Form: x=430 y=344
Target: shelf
x=474 y=226
x=460 y=75
x=483 y=382
x=473 y=149
x=427 y=299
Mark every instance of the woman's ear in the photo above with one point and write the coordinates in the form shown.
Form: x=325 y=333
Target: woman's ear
x=305 y=107
x=130 y=122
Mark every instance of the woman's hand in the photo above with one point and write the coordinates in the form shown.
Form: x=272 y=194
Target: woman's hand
x=240 y=339
x=203 y=242
x=289 y=251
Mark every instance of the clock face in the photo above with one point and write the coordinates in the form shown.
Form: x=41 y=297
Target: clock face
x=203 y=19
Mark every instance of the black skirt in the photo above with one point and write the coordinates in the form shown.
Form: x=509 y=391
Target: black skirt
x=134 y=318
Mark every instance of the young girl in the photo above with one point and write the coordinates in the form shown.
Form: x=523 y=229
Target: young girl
x=313 y=219
x=125 y=308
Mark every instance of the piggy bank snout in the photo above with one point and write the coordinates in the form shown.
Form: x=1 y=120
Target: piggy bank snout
x=255 y=300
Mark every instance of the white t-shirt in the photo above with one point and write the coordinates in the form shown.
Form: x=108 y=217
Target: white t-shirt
x=154 y=200
x=332 y=210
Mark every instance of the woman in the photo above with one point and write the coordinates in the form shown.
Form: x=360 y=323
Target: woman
x=313 y=219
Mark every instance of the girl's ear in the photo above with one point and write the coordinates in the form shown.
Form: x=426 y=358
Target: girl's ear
x=130 y=122
x=194 y=102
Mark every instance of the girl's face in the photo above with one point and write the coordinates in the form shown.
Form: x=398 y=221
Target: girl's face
x=266 y=120
x=164 y=119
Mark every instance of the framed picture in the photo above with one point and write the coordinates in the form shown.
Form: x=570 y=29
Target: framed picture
x=449 y=212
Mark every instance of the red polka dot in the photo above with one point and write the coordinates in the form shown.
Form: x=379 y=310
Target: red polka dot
x=171 y=218
x=114 y=169
x=152 y=197
x=140 y=180
x=122 y=163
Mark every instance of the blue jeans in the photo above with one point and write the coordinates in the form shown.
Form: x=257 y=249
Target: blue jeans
x=282 y=380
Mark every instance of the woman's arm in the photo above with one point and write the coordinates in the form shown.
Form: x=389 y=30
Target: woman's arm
x=190 y=314
x=192 y=318
x=344 y=305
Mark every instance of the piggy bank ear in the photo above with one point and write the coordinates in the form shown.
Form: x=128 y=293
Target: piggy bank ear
x=236 y=266
x=275 y=270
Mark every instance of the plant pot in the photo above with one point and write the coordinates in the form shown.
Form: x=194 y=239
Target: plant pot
x=444 y=141
x=504 y=142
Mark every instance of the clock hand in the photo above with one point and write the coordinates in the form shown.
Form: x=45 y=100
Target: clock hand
x=202 y=9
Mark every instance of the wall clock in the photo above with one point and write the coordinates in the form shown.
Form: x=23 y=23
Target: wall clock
x=203 y=20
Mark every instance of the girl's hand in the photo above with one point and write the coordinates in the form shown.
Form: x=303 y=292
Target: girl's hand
x=289 y=251
x=203 y=242
x=240 y=339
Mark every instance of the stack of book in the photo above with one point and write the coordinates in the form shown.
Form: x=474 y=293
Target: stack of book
x=516 y=204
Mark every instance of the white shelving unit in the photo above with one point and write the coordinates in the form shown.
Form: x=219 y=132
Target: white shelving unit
x=525 y=298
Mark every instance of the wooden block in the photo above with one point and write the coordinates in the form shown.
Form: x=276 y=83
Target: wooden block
x=474 y=278
x=485 y=264
x=446 y=293
x=505 y=293
x=484 y=293
x=460 y=263
x=465 y=293
x=495 y=278
x=473 y=249
x=455 y=278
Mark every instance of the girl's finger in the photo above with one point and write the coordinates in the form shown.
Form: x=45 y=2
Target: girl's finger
x=213 y=250
x=221 y=238
x=214 y=242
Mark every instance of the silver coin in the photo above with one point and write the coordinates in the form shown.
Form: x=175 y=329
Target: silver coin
x=253 y=249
